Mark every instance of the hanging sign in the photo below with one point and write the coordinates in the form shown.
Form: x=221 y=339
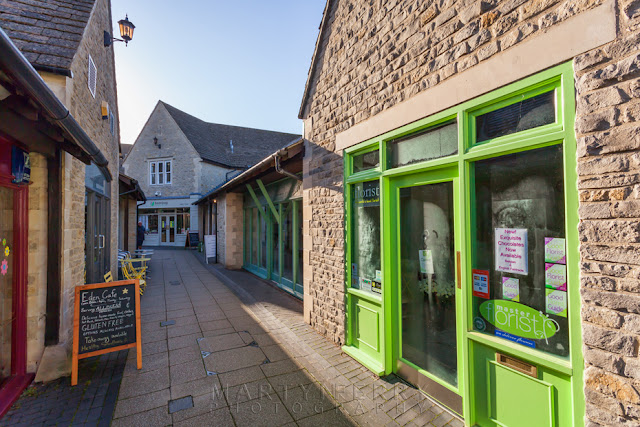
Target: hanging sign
x=480 y=283
x=554 y=250
x=511 y=289
x=426 y=261
x=106 y=319
x=555 y=276
x=518 y=319
x=511 y=250
x=20 y=166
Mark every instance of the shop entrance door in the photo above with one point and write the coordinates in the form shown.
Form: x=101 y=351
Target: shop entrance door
x=167 y=229
x=427 y=343
x=96 y=236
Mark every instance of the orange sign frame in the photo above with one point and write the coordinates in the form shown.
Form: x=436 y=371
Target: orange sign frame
x=76 y=327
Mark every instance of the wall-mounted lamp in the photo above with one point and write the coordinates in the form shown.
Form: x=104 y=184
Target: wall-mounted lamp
x=155 y=142
x=126 y=32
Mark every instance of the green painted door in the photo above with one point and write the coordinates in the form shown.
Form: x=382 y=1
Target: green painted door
x=424 y=290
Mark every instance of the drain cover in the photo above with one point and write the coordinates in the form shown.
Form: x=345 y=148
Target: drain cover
x=174 y=283
x=180 y=404
x=168 y=323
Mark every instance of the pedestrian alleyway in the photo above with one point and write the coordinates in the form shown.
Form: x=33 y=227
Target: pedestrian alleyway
x=225 y=348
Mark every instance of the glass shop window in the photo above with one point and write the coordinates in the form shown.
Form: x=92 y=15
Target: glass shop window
x=254 y=234
x=365 y=250
x=263 y=236
x=152 y=228
x=432 y=144
x=366 y=161
x=247 y=236
x=519 y=263
x=526 y=114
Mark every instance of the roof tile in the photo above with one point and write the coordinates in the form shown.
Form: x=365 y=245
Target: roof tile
x=213 y=141
x=48 y=32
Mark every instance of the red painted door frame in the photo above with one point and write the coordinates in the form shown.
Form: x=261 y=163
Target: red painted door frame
x=19 y=379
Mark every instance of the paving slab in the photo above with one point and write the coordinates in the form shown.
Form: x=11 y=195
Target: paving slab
x=269 y=367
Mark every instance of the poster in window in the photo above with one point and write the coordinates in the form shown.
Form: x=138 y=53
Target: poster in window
x=511 y=250
x=480 y=283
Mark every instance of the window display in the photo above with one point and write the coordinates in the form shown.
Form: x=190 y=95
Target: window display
x=520 y=242
x=365 y=258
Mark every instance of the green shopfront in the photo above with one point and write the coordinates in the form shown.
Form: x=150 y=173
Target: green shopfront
x=272 y=221
x=461 y=255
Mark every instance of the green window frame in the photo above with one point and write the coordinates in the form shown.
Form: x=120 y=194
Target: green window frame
x=560 y=80
x=274 y=230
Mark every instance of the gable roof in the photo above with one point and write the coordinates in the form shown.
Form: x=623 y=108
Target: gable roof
x=316 y=51
x=212 y=140
x=47 y=32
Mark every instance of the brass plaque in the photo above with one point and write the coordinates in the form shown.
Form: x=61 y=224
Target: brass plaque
x=517 y=364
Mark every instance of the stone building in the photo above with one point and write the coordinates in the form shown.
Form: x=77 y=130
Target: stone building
x=471 y=202
x=178 y=157
x=59 y=109
x=256 y=218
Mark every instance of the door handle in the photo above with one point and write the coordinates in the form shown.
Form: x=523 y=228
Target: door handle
x=101 y=246
x=458 y=268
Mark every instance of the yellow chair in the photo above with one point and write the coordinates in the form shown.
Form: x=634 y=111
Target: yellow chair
x=132 y=273
x=108 y=277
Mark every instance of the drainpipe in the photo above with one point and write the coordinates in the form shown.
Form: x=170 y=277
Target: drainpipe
x=276 y=159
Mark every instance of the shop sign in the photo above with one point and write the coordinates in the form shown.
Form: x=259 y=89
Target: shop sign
x=555 y=276
x=556 y=302
x=20 y=166
x=511 y=250
x=554 y=250
x=511 y=289
x=367 y=195
x=518 y=319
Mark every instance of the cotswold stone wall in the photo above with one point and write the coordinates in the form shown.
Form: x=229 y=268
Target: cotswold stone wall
x=374 y=55
x=377 y=54
x=608 y=131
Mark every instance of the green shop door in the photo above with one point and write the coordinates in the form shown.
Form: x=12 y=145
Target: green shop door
x=427 y=303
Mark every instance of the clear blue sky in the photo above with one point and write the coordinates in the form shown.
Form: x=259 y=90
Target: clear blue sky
x=242 y=62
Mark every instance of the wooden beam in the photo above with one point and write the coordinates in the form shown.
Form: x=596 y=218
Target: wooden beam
x=268 y=199
x=54 y=250
x=255 y=199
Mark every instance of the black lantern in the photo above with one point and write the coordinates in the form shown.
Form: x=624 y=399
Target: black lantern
x=126 y=32
x=126 y=29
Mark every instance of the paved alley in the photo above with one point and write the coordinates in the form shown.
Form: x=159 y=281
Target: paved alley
x=225 y=348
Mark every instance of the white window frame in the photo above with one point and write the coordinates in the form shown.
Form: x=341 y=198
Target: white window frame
x=159 y=175
x=92 y=69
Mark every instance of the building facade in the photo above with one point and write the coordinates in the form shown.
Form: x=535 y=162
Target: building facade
x=256 y=218
x=470 y=202
x=178 y=157
x=56 y=116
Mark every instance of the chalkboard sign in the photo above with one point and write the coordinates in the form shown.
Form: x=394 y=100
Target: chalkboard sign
x=107 y=318
x=194 y=239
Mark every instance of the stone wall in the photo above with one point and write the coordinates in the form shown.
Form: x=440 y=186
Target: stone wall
x=87 y=110
x=37 y=261
x=376 y=55
x=221 y=228
x=190 y=174
x=234 y=237
x=608 y=131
